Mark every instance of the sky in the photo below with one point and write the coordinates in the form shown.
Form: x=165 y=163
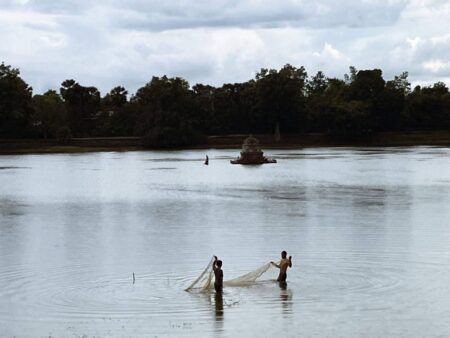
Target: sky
x=106 y=43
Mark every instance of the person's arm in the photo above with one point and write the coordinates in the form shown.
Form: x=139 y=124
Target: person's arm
x=214 y=264
x=290 y=261
x=275 y=264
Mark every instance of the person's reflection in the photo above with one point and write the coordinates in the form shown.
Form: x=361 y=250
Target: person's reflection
x=218 y=302
x=284 y=296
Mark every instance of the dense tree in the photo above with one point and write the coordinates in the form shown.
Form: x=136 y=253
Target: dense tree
x=427 y=107
x=115 y=99
x=204 y=106
x=225 y=115
x=15 y=103
x=234 y=109
x=367 y=86
x=317 y=85
x=281 y=99
x=83 y=106
x=392 y=102
x=319 y=97
x=111 y=120
x=49 y=113
x=168 y=112
x=324 y=105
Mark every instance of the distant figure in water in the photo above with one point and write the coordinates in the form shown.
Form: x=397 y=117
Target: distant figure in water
x=283 y=266
x=218 y=274
x=206 y=160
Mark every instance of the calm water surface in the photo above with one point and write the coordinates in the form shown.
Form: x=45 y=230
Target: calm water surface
x=369 y=232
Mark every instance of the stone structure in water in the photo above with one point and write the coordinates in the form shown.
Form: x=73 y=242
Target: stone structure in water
x=251 y=153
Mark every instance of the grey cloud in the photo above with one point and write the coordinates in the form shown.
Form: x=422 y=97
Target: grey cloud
x=318 y=14
x=181 y=14
x=114 y=42
x=47 y=6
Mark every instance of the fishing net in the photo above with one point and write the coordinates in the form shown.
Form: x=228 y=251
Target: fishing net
x=205 y=280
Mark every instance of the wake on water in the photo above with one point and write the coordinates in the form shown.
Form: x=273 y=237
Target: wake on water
x=205 y=281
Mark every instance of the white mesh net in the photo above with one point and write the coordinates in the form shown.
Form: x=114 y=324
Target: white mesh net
x=205 y=281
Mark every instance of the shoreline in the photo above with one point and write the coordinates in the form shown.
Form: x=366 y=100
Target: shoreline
x=105 y=144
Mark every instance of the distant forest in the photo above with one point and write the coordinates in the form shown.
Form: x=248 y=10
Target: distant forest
x=169 y=112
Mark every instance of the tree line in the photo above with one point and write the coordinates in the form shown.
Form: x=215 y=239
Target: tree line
x=169 y=112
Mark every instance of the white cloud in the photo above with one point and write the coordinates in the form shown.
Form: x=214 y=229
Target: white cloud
x=331 y=54
x=437 y=65
x=113 y=42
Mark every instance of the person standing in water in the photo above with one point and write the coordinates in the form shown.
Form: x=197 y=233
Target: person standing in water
x=283 y=266
x=218 y=274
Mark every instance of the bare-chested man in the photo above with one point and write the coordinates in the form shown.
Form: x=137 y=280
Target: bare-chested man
x=218 y=274
x=283 y=266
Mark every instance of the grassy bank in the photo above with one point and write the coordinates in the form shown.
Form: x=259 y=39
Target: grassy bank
x=78 y=145
x=385 y=139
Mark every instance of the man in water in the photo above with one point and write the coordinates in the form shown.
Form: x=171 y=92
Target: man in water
x=283 y=266
x=218 y=274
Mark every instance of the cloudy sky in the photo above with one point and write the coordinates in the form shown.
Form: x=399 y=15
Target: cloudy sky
x=105 y=43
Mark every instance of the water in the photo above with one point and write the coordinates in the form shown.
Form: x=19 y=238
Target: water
x=368 y=231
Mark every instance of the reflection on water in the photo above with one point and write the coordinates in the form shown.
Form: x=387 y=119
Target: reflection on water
x=218 y=302
x=367 y=229
x=286 y=298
